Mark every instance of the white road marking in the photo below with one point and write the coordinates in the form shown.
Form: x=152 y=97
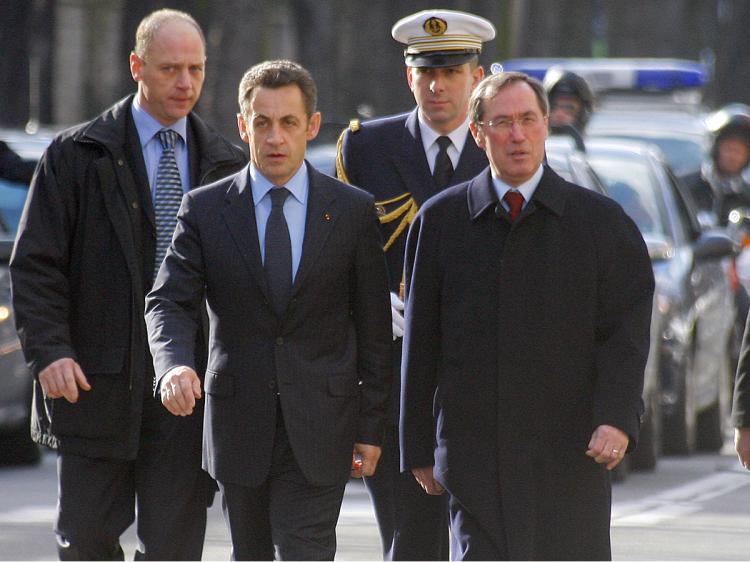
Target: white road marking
x=677 y=502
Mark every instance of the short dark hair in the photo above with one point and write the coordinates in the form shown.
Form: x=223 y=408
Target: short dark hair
x=149 y=27
x=275 y=74
x=492 y=84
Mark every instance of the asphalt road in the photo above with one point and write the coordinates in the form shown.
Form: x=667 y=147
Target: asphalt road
x=690 y=508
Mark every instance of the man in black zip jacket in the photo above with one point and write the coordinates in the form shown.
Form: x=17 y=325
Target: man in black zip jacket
x=99 y=213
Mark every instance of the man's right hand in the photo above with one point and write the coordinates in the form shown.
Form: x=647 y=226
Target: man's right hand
x=180 y=388
x=742 y=445
x=397 y=316
x=427 y=480
x=61 y=379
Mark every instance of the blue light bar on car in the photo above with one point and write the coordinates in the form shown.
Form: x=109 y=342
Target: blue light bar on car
x=652 y=75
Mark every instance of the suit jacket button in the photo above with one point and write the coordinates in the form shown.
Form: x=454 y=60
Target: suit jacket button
x=271 y=384
x=279 y=341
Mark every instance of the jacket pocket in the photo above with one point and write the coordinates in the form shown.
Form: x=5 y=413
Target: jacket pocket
x=219 y=384
x=343 y=386
x=100 y=413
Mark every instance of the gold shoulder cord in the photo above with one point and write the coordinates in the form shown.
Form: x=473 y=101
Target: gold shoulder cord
x=406 y=212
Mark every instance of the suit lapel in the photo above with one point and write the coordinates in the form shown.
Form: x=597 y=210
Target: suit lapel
x=472 y=158
x=411 y=162
x=239 y=215
x=320 y=219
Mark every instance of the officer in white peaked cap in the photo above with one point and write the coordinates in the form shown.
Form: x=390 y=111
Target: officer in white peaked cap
x=402 y=160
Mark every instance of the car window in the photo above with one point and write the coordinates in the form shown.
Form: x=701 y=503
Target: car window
x=633 y=185
x=12 y=198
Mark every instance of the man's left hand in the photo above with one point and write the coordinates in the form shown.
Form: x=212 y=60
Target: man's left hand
x=608 y=445
x=365 y=460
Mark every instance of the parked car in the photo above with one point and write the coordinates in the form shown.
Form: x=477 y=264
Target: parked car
x=683 y=137
x=693 y=294
x=16 y=445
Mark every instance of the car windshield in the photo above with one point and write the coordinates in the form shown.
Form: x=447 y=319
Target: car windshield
x=633 y=185
x=683 y=155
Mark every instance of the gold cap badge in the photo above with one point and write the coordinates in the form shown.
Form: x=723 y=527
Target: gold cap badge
x=435 y=26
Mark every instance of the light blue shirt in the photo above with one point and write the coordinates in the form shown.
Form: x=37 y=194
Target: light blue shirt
x=295 y=210
x=147 y=128
x=526 y=189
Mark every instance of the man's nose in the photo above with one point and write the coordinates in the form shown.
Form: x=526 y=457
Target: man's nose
x=274 y=134
x=183 y=79
x=436 y=85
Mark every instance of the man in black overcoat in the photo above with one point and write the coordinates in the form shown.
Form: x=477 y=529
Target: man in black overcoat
x=527 y=332
x=83 y=262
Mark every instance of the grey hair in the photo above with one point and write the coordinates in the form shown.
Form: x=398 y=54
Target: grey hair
x=491 y=86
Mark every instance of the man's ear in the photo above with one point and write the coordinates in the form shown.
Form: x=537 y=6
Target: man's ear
x=313 y=126
x=242 y=126
x=135 y=66
x=476 y=132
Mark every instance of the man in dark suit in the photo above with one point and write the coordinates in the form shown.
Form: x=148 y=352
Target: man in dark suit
x=527 y=332
x=292 y=267
x=87 y=247
x=400 y=161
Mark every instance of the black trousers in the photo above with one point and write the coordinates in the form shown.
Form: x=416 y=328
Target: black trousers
x=413 y=525
x=286 y=517
x=98 y=498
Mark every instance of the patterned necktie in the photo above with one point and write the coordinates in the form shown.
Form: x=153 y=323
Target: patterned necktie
x=515 y=200
x=443 y=171
x=167 y=195
x=278 y=252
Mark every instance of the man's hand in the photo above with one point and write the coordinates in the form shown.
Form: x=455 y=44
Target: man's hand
x=742 y=445
x=180 y=388
x=62 y=378
x=397 y=316
x=427 y=480
x=608 y=445
x=365 y=459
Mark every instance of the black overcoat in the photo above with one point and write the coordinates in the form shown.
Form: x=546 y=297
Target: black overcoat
x=81 y=266
x=521 y=339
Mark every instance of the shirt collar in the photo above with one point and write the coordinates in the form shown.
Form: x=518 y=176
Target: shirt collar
x=430 y=136
x=147 y=126
x=526 y=189
x=297 y=185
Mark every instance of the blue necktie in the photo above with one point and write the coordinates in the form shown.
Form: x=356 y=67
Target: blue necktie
x=278 y=252
x=167 y=195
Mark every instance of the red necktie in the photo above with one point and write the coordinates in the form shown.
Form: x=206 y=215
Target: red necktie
x=515 y=201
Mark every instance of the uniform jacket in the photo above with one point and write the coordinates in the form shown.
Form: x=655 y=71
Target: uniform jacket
x=521 y=339
x=328 y=357
x=81 y=267
x=386 y=158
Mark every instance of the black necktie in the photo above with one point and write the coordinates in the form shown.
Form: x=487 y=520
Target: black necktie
x=278 y=252
x=443 y=171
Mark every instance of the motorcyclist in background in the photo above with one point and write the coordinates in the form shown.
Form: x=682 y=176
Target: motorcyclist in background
x=721 y=186
x=570 y=99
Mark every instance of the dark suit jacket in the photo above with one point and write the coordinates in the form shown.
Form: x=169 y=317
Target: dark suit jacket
x=328 y=357
x=81 y=267
x=386 y=158
x=521 y=339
